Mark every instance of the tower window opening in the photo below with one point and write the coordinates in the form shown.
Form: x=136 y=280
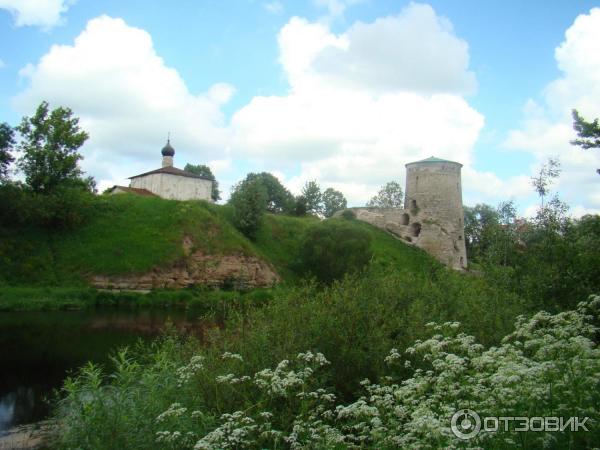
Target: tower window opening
x=415 y=229
x=404 y=218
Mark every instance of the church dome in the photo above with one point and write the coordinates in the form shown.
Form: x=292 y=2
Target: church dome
x=168 y=150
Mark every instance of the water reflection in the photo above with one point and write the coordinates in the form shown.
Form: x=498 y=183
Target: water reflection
x=17 y=407
x=39 y=349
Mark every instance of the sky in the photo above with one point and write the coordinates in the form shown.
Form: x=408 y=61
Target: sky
x=344 y=92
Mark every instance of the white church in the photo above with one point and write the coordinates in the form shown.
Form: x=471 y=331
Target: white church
x=168 y=182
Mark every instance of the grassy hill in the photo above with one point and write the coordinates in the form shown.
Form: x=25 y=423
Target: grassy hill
x=131 y=234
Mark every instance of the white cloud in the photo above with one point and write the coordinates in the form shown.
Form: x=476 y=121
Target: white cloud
x=355 y=129
x=127 y=99
x=416 y=51
x=548 y=127
x=485 y=186
x=350 y=130
x=2 y=64
x=273 y=7
x=43 y=13
x=220 y=166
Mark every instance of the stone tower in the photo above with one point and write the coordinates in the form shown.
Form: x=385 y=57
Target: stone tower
x=433 y=203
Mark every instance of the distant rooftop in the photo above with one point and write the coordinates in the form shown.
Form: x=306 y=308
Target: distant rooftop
x=172 y=171
x=131 y=190
x=433 y=159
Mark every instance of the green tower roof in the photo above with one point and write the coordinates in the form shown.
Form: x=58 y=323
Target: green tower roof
x=433 y=159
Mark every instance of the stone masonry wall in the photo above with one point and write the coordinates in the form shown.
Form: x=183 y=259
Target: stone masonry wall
x=433 y=214
x=174 y=187
x=434 y=192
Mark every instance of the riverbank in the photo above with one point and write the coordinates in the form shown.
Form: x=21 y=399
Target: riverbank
x=28 y=437
x=72 y=298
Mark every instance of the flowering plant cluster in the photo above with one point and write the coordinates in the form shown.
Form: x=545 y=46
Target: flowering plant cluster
x=549 y=366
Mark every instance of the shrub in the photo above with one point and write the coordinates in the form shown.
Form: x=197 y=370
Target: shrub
x=348 y=214
x=66 y=207
x=249 y=200
x=333 y=248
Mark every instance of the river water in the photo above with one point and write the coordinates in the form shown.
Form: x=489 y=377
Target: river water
x=39 y=349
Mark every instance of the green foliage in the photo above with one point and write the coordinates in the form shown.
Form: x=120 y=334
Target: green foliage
x=588 y=133
x=333 y=201
x=7 y=141
x=334 y=248
x=348 y=214
x=65 y=208
x=249 y=200
x=559 y=264
x=300 y=206
x=50 y=141
x=279 y=199
x=204 y=170
x=279 y=240
x=547 y=174
x=311 y=193
x=550 y=261
x=482 y=226
x=389 y=196
x=178 y=394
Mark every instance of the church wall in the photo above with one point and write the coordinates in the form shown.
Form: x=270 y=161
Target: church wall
x=174 y=187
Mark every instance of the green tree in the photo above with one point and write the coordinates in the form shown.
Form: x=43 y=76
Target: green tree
x=204 y=170
x=389 y=196
x=7 y=141
x=333 y=201
x=50 y=141
x=249 y=200
x=481 y=224
x=279 y=199
x=588 y=133
x=546 y=175
x=507 y=231
x=313 y=197
x=300 y=206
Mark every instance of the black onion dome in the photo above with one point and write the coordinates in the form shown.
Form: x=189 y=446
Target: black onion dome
x=168 y=150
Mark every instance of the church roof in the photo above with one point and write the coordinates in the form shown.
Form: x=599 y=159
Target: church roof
x=168 y=150
x=433 y=159
x=138 y=191
x=172 y=171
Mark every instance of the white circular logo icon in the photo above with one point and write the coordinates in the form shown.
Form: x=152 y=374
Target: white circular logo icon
x=465 y=424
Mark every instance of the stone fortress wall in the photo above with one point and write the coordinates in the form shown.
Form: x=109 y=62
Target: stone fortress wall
x=432 y=218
